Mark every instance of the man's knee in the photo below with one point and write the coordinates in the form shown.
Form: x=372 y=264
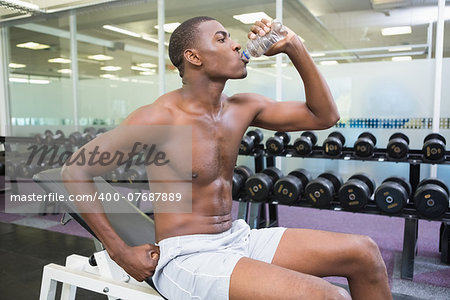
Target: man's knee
x=342 y=294
x=335 y=293
x=369 y=257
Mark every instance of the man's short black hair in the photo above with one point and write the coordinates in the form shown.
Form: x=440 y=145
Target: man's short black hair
x=184 y=37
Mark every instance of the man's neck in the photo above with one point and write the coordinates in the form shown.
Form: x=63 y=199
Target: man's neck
x=204 y=95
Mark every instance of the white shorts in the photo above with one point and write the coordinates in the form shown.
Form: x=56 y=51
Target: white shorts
x=199 y=266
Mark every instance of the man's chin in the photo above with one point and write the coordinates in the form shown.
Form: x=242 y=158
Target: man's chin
x=242 y=75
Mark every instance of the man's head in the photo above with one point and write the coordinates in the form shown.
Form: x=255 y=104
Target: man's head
x=202 y=44
x=184 y=37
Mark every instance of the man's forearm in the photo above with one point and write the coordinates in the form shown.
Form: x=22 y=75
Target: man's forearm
x=318 y=96
x=93 y=213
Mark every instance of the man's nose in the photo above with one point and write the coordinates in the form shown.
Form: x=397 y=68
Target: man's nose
x=236 y=47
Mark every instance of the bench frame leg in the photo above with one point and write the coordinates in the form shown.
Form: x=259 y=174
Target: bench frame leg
x=78 y=273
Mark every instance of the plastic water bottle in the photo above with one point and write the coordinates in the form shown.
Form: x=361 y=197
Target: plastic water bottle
x=261 y=44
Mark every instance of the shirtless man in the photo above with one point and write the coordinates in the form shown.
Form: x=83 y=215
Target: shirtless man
x=204 y=254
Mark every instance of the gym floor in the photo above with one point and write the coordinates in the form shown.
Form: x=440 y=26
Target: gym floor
x=29 y=242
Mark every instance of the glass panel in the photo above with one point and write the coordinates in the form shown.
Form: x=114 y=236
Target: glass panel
x=354 y=31
x=444 y=171
x=12 y=10
x=117 y=61
x=373 y=90
x=40 y=96
x=223 y=11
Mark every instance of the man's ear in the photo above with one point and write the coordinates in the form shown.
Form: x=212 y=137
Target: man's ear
x=191 y=56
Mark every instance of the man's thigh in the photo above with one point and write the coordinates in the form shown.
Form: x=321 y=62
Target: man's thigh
x=198 y=276
x=254 y=279
x=322 y=253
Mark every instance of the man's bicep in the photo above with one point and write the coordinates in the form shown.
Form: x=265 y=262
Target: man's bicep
x=285 y=116
x=104 y=153
x=134 y=135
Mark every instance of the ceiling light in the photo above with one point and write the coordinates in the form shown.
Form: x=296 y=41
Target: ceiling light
x=147 y=73
x=147 y=65
x=283 y=65
x=108 y=76
x=317 y=54
x=39 y=81
x=136 y=68
x=149 y=38
x=169 y=27
x=111 y=68
x=251 y=18
x=16 y=66
x=329 y=62
x=20 y=80
x=65 y=71
x=59 y=60
x=33 y=46
x=32 y=81
x=401 y=58
x=396 y=49
x=396 y=30
x=122 y=31
x=100 y=57
x=262 y=57
x=22 y=5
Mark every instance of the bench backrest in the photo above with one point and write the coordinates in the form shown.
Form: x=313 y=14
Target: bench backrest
x=132 y=225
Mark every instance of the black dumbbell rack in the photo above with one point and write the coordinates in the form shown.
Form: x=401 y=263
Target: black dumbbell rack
x=9 y=141
x=258 y=216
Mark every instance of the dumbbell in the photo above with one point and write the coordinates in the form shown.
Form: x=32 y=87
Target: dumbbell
x=28 y=170
x=365 y=145
x=250 y=140
x=58 y=137
x=287 y=190
x=304 y=144
x=240 y=175
x=431 y=198
x=89 y=137
x=42 y=138
x=259 y=186
x=12 y=163
x=398 y=146
x=276 y=144
x=78 y=139
x=333 y=144
x=136 y=174
x=322 y=190
x=434 y=147
x=393 y=195
x=52 y=164
x=117 y=175
x=12 y=167
x=356 y=192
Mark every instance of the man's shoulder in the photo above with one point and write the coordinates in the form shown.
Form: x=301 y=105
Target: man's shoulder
x=156 y=113
x=244 y=98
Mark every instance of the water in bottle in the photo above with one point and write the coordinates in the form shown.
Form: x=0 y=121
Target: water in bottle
x=259 y=46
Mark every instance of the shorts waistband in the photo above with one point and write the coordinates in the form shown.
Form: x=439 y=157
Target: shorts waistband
x=176 y=240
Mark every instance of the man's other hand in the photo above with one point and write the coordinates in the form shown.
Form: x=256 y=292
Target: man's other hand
x=261 y=28
x=139 y=261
